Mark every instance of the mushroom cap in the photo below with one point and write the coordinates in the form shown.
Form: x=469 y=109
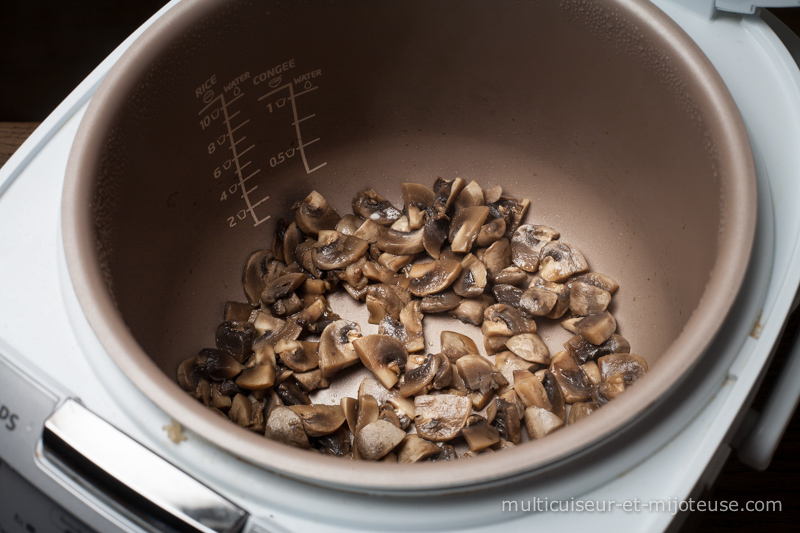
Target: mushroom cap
x=253 y=275
x=585 y=299
x=384 y=355
x=479 y=434
x=372 y=206
x=497 y=257
x=529 y=346
x=470 y=195
x=377 y=439
x=336 y=349
x=559 y=260
x=631 y=366
x=313 y=214
x=284 y=425
x=319 y=419
x=258 y=377
x=398 y=242
x=336 y=250
x=456 y=345
x=440 y=417
x=440 y=303
x=492 y=231
x=416 y=379
x=596 y=329
x=432 y=277
x=580 y=410
x=527 y=243
x=540 y=422
x=414 y=449
x=465 y=226
x=510 y=209
x=575 y=386
x=473 y=278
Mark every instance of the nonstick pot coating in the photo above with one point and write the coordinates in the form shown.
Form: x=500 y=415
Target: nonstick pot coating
x=603 y=114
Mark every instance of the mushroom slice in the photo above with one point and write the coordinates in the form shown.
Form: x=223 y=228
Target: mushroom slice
x=259 y=377
x=541 y=422
x=497 y=257
x=440 y=303
x=596 y=329
x=319 y=420
x=418 y=199
x=300 y=356
x=282 y=287
x=284 y=425
x=512 y=275
x=559 y=261
x=432 y=277
x=401 y=242
x=385 y=356
x=527 y=244
x=411 y=320
x=583 y=350
x=241 y=410
x=375 y=272
x=236 y=339
x=434 y=234
x=507 y=294
x=337 y=250
x=349 y=223
x=311 y=313
x=337 y=443
x=369 y=231
x=479 y=434
x=312 y=380
x=313 y=214
x=304 y=254
x=446 y=193
x=492 y=194
x=336 y=349
x=504 y=320
x=395 y=262
x=440 y=417
x=455 y=345
x=383 y=300
x=529 y=346
x=560 y=289
x=507 y=362
x=530 y=390
x=592 y=372
x=187 y=378
x=585 y=299
x=465 y=226
x=495 y=343
x=237 y=312
x=473 y=278
x=471 y=195
x=478 y=373
x=402 y=405
x=418 y=378
x=536 y=301
x=291 y=239
x=512 y=210
x=554 y=395
x=253 y=275
x=372 y=206
x=216 y=364
x=414 y=449
x=574 y=384
x=491 y=232
x=581 y=410
x=444 y=374
x=631 y=366
x=507 y=420
x=470 y=310
x=377 y=439
x=609 y=388
x=291 y=393
x=601 y=281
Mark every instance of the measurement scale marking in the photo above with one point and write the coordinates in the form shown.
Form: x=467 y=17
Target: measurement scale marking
x=296 y=123
x=246 y=150
x=261 y=202
x=302 y=119
x=234 y=143
x=236 y=159
x=240 y=125
x=234 y=115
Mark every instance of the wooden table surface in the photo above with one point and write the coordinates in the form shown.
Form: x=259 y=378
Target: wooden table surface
x=781 y=481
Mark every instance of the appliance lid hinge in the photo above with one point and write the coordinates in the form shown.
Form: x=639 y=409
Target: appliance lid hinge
x=748 y=7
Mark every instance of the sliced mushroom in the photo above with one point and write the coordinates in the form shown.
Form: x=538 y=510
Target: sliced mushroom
x=375 y=272
x=536 y=301
x=291 y=239
x=491 y=232
x=216 y=364
x=300 y=356
x=395 y=262
x=237 y=312
x=350 y=409
x=529 y=346
x=287 y=306
x=368 y=411
x=284 y=425
x=554 y=395
x=601 y=281
x=512 y=210
x=609 y=388
x=507 y=294
x=349 y=223
x=372 y=206
x=418 y=378
x=312 y=380
x=631 y=366
x=596 y=329
x=560 y=289
x=241 y=410
x=417 y=198
x=497 y=257
x=336 y=349
x=583 y=350
x=385 y=356
x=512 y=275
x=432 y=277
x=259 y=377
x=479 y=434
x=446 y=193
x=311 y=313
x=471 y=195
x=507 y=362
x=465 y=226
x=434 y=235
x=378 y=439
x=471 y=310
x=282 y=287
x=414 y=449
x=527 y=244
x=336 y=250
x=383 y=300
x=319 y=419
x=559 y=261
x=580 y=410
x=402 y=405
x=504 y=320
x=440 y=417
x=235 y=339
x=507 y=419
x=574 y=384
x=455 y=345
x=478 y=373
x=337 y=443
x=291 y=393
x=304 y=254
x=592 y=372
x=253 y=275
x=473 y=278
x=411 y=320
x=530 y=390
x=440 y=303
x=187 y=378
x=585 y=299
x=313 y=214
x=541 y=422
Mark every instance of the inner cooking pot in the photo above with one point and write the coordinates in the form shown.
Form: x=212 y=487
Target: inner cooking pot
x=223 y=114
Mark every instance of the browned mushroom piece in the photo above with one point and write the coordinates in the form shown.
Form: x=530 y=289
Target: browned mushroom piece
x=601 y=281
x=471 y=195
x=282 y=287
x=560 y=289
x=440 y=417
x=592 y=372
x=530 y=390
x=432 y=277
x=585 y=299
x=304 y=255
x=319 y=419
x=507 y=362
x=375 y=272
x=300 y=356
x=512 y=275
x=497 y=257
x=456 y=345
x=527 y=243
x=219 y=400
x=631 y=366
x=383 y=355
x=335 y=250
x=507 y=419
x=609 y=388
x=312 y=380
x=395 y=262
x=473 y=278
x=292 y=237
x=336 y=443
x=536 y=301
x=313 y=214
x=446 y=193
x=388 y=413
x=311 y=314
x=402 y=405
x=575 y=386
x=235 y=339
x=237 y=312
x=349 y=223
x=559 y=260
x=278 y=237
x=241 y=410
x=479 y=434
x=419 y=378
x=596 y=329
x=383 y=300
x=377 y=439
x=287 y=306
x=495 y=344
x=284 y=425
x=554 y=395
x=417 y=198
x=512 y=210
x=434 y=235
x=443 y=377
x=336 y=349
x=540 y=422
x=369 y=231
x=411 y=320
x=216 y=364
x=479 y=374
x=258 y=377
x=368 y=411
x=350 y=409
x=465 y=226
x=440 y=303
x=401 y=242
x=580 y=410
x=291 y=392
x=187 y=379
x=583 y=350
x=414 y=449
x=492 y=231
x=372 y=206
x=529 y=346
x=507 y=294
x=504 y=320
x=253 y=275
x=470 y=310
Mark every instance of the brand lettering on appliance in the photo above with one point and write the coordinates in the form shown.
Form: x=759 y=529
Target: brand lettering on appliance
x=7 y=418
